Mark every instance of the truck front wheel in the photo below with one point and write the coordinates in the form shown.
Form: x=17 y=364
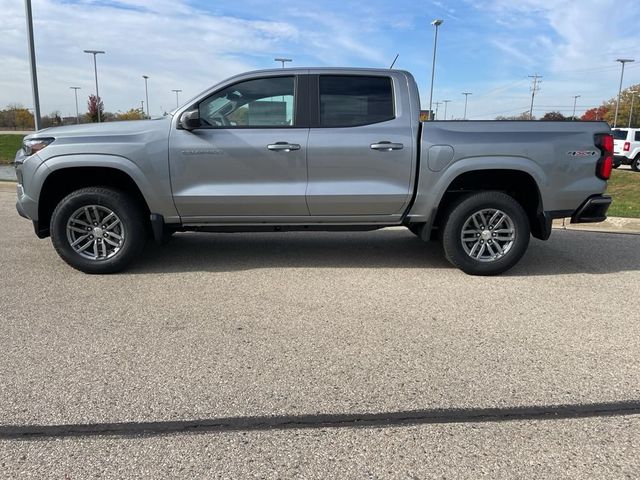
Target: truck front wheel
x=98 y=230
x=485 y=233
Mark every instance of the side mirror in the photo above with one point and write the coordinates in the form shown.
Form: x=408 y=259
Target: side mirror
x=190 y=119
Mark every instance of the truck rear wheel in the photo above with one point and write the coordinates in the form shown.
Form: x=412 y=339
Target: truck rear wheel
x=635 y=165
x=98 y=230
x=485 y=233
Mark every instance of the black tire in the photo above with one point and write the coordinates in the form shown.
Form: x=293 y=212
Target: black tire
x=123 y=206
x=460 y=212
x=635 y=165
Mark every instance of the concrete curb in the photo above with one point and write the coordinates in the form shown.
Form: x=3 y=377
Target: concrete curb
x=610 y=225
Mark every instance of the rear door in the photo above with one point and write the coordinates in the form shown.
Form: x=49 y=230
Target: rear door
x=361 y=146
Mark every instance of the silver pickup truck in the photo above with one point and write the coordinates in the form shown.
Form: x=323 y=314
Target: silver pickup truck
x=311 y=149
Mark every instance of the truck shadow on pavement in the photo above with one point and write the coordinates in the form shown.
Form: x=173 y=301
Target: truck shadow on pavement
x=321 y=421
x=566 y=252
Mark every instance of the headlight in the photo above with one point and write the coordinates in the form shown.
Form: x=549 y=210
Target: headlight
x=34 y=145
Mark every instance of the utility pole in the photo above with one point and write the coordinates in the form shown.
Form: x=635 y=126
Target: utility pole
x=622 y=61
x=445 y=107
x=575 y=99
x=534 y=88
x=177 y=101
x=75 y=90
x=466 y=96
x=32 y=64
x=142 y=107
x=436 y=23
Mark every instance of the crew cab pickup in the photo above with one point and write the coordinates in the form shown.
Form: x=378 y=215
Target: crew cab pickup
x=311 y=149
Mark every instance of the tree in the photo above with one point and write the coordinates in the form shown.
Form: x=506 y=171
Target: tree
x=521 y=116
x=625 y=107
x=17 y=117
x=596 y=113
x=94 y=106
x=52 y=120
x=133 y=114
x=554 y=116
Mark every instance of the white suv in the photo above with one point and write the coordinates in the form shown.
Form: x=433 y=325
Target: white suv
x=626 y=147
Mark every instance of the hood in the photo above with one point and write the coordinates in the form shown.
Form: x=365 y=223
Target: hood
x=127 y=127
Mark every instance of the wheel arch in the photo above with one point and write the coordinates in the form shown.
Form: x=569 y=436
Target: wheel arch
x=520 y=177
x=63 y=179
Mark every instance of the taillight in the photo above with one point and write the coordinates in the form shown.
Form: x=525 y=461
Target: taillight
x=604 y=166
x=626 y=147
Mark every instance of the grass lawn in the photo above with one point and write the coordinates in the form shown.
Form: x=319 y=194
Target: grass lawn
x=9 y=145
x=624 y=187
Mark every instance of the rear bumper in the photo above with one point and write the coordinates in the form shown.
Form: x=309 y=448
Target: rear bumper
x=621 y=160
x=594 y=209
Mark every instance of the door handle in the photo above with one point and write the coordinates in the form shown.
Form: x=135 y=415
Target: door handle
x=283 y=147
x=386 y=146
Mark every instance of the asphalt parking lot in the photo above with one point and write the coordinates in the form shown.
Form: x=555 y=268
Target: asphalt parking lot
x=319 y=355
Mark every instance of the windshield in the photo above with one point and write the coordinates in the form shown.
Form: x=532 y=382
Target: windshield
x=619 y=134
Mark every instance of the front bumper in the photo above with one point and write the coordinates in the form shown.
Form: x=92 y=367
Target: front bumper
x=593 y=210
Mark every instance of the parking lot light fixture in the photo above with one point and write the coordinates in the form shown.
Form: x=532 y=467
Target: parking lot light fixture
x=95 y=70
x=633 y=97
x=622 y=61
x=436 y=23
x=282 y=60
x=445 y=107
x=32 y=63
x=146 y=93
x=75 y=90
x=466 y=96
x=575 y=99
x=177 y=92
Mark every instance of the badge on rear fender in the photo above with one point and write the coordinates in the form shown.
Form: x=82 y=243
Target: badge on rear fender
x=582 y=153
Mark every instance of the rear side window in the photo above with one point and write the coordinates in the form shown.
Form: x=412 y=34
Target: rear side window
x=619 y=134
x=352 y=100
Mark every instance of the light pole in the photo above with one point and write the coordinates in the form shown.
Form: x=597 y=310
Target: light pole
x=142 y=107
x=75 y=90
x=466 y=96
x=146 y=93
x=435 y=114
x=622 y=61
x=32 y=63
x=575 y=99
x=445 y=107
x=436 y=23
x=633 y=96
x=177 y=92
x=95 y=71
x=282 y=60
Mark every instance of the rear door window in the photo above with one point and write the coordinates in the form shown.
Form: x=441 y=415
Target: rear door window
x=619 y=134
x=637 y=137
x=353 y=100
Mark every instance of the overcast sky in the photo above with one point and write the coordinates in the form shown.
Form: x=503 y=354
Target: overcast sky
x=488 y=47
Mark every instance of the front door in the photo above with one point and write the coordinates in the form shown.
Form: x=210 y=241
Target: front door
x=248 y=158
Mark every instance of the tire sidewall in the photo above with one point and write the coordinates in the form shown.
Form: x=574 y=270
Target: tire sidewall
x=115 y=201
x=463 y=210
